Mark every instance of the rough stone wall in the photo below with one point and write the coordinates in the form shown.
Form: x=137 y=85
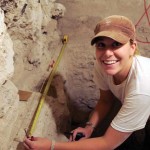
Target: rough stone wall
x=6 y=52
x=9 y=101
x=8 y=92
x=31 y=31
x=32 y=26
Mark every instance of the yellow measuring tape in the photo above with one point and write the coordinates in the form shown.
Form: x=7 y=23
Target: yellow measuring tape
x=41 y=102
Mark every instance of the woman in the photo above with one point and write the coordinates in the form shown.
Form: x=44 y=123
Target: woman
x=121 y=74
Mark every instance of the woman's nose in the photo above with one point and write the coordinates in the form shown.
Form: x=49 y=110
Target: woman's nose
x=108 y=52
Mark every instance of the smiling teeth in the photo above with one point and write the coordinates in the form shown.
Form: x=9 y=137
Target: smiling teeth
x=110 y=62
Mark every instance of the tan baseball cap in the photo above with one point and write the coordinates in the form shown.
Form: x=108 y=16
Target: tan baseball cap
x=119 y=28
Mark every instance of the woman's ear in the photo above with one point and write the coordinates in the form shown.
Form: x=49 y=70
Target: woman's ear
x=133 y=47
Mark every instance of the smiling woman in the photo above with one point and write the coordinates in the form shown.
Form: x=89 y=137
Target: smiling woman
x=120 y=70
x=115 y=58
x=120 y=74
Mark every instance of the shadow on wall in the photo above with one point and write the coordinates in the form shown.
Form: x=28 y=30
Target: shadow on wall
x=58 y=101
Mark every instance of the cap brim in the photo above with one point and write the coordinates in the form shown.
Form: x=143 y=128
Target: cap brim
x=117 y=36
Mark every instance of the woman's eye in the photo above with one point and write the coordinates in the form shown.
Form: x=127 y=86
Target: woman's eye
x=116 y=44
x=100 y=45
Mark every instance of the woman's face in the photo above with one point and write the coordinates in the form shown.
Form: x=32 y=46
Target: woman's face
x=115 y=58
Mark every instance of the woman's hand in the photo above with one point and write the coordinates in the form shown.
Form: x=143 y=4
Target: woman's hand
x=87 y=131
x=37 y=144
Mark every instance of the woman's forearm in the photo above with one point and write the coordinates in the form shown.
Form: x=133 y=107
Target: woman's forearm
x=87 y=144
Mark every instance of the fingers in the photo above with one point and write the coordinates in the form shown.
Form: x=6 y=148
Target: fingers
x=77 y=134
x=71 y=136
x=26 y=146
x=74 y=135
x=28 y=143
x=36 y=143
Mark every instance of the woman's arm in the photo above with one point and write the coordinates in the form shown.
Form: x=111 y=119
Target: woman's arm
x=111 y=140
x=101 y=110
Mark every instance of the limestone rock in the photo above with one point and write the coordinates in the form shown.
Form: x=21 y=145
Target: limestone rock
x=8 y=112
x=58 y=11
x=6 y=52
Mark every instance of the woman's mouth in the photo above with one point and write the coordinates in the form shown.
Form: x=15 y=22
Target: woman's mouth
x=109 y=62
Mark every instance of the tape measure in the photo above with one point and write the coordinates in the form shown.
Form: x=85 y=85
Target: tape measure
x=42 y=99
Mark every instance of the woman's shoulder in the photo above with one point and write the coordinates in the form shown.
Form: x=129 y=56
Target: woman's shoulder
x=141 y=59
x=142 y=63
x=139 y=78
